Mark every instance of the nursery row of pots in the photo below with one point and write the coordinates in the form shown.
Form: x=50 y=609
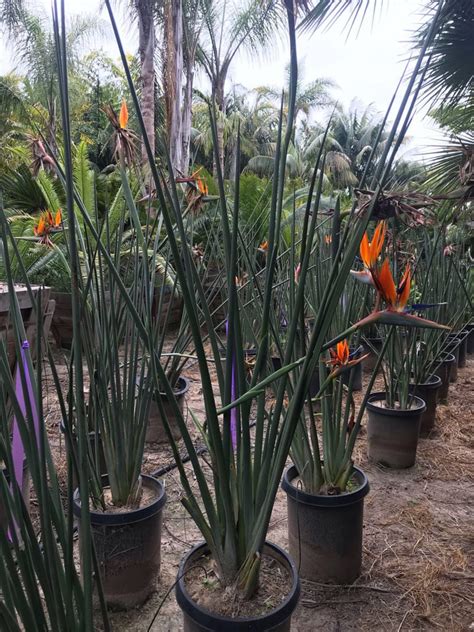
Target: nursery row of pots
x=393 y=433
x=325 y=531
x=170 y=310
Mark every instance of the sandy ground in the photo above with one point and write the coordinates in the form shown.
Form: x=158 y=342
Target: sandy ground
x=418 y=567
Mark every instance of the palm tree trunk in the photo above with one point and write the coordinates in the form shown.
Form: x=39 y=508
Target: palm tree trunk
x=187 y=113
x=146 y=47
x=173 y=78
x=220 y=106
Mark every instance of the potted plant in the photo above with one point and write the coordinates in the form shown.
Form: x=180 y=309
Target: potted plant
x=232 y=501
x=394 y=416
x=238 y=498
x=173 y=362
x=126 y=505
x=325 y=490
x=424 y=383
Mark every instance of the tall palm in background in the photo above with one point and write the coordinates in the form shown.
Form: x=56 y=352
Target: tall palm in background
x=349 y=144
x=449 y=87
x=229 y=26
x=30 y=100
x=145 y=12
x=10 y=12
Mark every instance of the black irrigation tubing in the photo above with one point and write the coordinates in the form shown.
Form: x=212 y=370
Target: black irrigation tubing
x=172 y=465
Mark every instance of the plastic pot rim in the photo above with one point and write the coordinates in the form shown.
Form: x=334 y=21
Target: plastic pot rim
x=397 y=412
x=433 y=382
x=130 y=515
x=178 y=391
x=323 y=500
x=204 y=617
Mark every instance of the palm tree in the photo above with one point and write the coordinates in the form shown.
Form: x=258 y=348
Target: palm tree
x=34 y=47
x=449 y=78
x=350 y=142
x=193 y=23
x=309 y=96
x=254 y=114
x=145 y=11
x=173 y=67
x=229 y=26
x=449 y=86
x=10 y=13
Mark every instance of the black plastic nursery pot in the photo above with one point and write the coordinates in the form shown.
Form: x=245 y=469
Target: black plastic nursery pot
x=453 y=347
x=443 y=370
x=199 y=619
x=368 y=364
x=128 y=546
x=393 y=433
x=470 y=338
x=155 y=432
x=356 y=371
x=462 y=350
x=428 y=391
x=314 y=384
x=325 y=532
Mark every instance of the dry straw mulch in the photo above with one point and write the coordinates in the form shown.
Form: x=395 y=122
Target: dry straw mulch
x=418 y=571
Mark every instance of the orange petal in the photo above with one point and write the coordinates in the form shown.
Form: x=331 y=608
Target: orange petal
x=39 y=229
x=342 y=351
x=403 y=289
x=123 y=118
x=57 y=218
x=364 y=250
x=385 y=284
x=202 y=186
x=377 y=241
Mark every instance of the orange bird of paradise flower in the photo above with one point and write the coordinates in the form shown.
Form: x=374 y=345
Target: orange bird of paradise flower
x=340 y=355
x=46 y=225
x=202 y=186
x=40 y=228
x=370 y=250
x=396 y=297
x=369 y=253
x=263 y=246
x=123 y=116
x=342 y=358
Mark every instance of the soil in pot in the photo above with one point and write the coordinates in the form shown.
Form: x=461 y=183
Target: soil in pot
x=208 y=607
x=428 y=391
x=155 y=432
x=325 y=532
x=443 y=370
x=392 y=433
x=128 y=545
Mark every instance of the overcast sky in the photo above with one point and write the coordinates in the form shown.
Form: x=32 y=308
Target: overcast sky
x=367 y=67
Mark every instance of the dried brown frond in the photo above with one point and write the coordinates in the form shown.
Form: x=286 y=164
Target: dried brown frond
x=411 y=208
x=123 y=139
